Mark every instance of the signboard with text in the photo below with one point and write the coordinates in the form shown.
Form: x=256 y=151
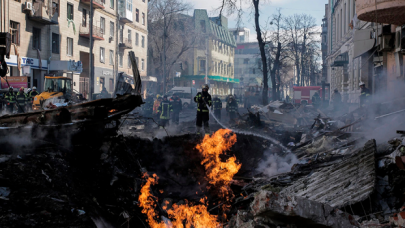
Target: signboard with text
x=16 y=82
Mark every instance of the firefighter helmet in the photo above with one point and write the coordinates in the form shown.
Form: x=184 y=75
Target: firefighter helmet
x=34 y=87
x=362 y=84
x=205 y=86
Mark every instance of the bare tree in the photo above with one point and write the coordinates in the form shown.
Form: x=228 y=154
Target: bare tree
x=171 y=35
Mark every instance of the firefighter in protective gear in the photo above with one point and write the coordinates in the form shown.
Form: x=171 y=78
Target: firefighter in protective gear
x=177 y=106
x=232 y=109
x=217 y=104
x=203 y=100
x=365 y=95
x=164 y=111
x=148 y=106
x=11 y=100
x=27 y=100
x=156 y=105
x=21 y=100
x=316 y=100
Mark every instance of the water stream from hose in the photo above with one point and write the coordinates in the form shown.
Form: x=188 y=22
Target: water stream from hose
x=248 y=133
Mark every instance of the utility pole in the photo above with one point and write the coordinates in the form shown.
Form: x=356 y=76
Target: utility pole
x=91 y=64
x=117 y=24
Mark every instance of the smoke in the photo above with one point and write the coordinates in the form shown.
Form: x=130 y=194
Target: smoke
x=273 y=164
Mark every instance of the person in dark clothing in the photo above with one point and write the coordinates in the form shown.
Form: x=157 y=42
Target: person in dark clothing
x=365 y=95
x=104 y=93
x=11 y=100
x=203 y=99
x=21 y=100
x=287 y=99
x=148 y=106
x=316 y=100
x=30 y=97
x=217 y=104
x=164 y=110
x=232 y=109
x=336 y=100
x=177 y=106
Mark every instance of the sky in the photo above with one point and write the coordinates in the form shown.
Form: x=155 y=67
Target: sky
x=316 y=8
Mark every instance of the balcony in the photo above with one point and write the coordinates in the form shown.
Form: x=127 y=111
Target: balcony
x=97 y=32
x=388 y=11
x=125 y=11
x=40 y=14
x=96 y=3
x=125 y=43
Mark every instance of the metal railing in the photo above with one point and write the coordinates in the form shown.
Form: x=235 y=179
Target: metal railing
x=97 y=31
x=94 y=2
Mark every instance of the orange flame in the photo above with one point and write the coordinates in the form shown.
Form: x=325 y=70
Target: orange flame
x=185 y=215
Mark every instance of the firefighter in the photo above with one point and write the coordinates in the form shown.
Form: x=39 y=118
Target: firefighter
x=316 y=100
x=217 y=104
x=203 y=99
x=27 y=99
x=365 y=96
x=11 y=100
x=164 y=110
x=232 y=109
x=177 y=106
x=236 y=99
x=336 y=99
x=148 y=106
x=156 y=105
x=21 y=100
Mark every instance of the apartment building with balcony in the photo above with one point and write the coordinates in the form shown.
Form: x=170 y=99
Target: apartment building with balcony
x=53 y=37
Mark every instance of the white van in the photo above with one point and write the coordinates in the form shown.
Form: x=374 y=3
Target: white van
x=186 y=95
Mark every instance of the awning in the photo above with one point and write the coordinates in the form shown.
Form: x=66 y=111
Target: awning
x=210 y=77
x=341 y=60
x=363 y=41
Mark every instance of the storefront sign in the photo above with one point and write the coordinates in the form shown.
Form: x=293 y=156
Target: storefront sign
x=25 y=61
x=16 y=82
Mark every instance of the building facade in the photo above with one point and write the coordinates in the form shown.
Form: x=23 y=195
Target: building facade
x=214 y=58
x=56 y=34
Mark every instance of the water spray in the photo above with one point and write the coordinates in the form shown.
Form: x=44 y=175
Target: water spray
x=246 y=132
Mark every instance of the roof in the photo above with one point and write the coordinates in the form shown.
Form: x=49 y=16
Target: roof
x=343 y=183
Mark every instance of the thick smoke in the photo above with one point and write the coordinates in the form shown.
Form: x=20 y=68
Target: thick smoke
x=273 y=164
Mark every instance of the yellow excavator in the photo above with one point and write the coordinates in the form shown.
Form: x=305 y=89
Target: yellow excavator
x=58 y=89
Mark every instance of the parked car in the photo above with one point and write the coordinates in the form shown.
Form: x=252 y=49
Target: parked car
x=186 y=95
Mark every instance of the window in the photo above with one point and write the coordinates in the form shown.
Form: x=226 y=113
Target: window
x=15 y=32
x=136 y=39
x=102 y=25
x=102 y=55
x=69 y=50
x=143 y=41
x=137 y=15
x=111 y=85
x=103 y=1
x=69 y=11
x=121 y=60
x=112 y=4
x=55 y=7
x=111 y=57
x=143 y=0
x=36 y=38
x=143 y=65
x=129 y=35
x=137 y=61
x=202 y=24
x=129 y=5
x=102 y=83
x=246 y=61
x=202 y=65
x=55 y=43
x=111 y=29
x=84 y=18
x=129 y=61
x=143 y=18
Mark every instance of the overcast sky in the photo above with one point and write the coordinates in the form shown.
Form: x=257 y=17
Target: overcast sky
x=316 y=8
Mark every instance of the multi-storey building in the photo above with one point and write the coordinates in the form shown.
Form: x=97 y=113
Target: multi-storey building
x=349 y=48
x=56 y=34
x=218 y=51
x=247 y=59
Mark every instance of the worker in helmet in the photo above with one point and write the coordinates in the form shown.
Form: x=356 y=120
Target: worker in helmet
x=232 y=109
x=177 y=106
x=147 y=108
x=203 y=100
x=27 y=100
x=365 y=95
x=21 y=100
x=217 y=104
x=11 y=99
x=164 y=111
x=156 y=104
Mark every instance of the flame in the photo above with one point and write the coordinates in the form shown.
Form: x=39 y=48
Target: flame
x=185 y=215
x=219 y=173
x=112 y=110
